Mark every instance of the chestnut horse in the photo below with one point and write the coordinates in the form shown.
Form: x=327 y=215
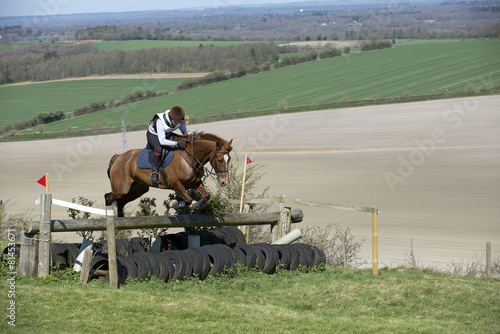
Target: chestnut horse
x=128 y=182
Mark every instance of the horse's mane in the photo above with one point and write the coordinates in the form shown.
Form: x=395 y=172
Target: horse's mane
x=201 y=135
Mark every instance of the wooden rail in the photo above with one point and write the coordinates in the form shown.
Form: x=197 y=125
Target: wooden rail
x=123 y=223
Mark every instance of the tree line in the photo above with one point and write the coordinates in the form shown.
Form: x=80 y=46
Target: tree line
x=50 y=63
x=41 y=118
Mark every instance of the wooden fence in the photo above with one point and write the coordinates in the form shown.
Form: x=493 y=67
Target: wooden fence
x=373 y=210
x=36 y=235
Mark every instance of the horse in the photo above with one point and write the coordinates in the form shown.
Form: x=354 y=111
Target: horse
x=129 y=182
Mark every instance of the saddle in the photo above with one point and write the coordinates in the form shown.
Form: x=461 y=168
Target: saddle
x=144 y=158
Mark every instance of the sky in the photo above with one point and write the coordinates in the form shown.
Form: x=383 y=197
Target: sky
x=57 y=7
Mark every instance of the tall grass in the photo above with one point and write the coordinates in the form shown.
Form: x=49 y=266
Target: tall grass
x=331 y=301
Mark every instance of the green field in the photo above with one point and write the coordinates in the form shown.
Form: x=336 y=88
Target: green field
x=146 y=44
x=333 y=301
x=26 y=101
x=418 y=68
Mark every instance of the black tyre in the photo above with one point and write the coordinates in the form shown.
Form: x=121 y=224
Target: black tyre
x=58 y=255
x=166 y=268
x=144 y=266
x=196 y=261
x=319 y=256
x=250 y=257
x=304 y=255
x=178 y=263
x=270 y=255
x=129 y=268
x=187 y=260
x=218 y=237
x=285 y=258
x=238 y=235
x=122 y=247
x=231 y=258
x=294 y=257
x=72 y=253
x=208 y=238
x=99 y=262
x=216 y=260
x=205 y=260
x=155 y=265
x=137 y=245
x=240 y=255
x=310 y=253
x=232 y=234
x=173 y=242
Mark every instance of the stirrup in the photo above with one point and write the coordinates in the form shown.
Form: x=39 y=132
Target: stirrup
x=154 y=177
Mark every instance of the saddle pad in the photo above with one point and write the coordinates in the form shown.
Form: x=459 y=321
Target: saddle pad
x=143 y=160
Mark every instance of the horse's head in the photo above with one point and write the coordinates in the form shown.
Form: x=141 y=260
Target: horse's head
x=220 y=161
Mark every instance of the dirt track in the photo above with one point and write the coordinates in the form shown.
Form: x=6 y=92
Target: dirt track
x=432 y=167
x=118 y=76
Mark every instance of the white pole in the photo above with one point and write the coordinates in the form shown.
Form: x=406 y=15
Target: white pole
x=243 y=184
x=288 y=238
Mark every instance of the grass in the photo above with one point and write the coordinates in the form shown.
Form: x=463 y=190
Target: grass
x=331 y=301
x=418 y=68
x=145 y=44
x=26 y=101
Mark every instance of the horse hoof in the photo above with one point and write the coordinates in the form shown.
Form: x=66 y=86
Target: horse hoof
x=196 y=205
x=179 y=205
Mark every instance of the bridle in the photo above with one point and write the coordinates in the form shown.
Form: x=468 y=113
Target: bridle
x=202 y=171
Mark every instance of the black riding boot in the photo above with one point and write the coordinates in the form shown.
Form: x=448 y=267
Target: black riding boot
x=156 y=166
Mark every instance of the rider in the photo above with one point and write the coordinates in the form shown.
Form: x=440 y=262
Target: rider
x=159 y=134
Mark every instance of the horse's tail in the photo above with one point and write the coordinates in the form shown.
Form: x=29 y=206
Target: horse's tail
x=111 y=164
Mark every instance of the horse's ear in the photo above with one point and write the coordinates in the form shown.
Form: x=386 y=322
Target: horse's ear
x=230 y=142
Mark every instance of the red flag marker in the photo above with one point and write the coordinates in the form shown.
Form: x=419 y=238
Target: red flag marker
x=44 y=181
x=248 y=160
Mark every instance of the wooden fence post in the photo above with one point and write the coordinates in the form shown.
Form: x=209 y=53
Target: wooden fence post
x=375 y=241
x=488 y=259
x=28 y=255
x=344 y=255
x=246 y=209
x=44 y=236
x=412 y=255
x=112 y=266
x=283 y=222
x=85 y=272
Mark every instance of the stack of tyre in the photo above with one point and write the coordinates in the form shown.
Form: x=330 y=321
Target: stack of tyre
x=221 y=250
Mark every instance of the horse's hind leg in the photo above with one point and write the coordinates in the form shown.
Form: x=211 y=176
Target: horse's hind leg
x=111 y=197
x=136 y=191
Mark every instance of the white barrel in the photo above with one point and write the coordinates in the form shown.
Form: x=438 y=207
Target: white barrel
x=289 y=238
x=79 y=259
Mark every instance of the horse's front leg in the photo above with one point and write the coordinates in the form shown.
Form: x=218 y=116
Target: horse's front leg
x=181 y=190
x=205 y=195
